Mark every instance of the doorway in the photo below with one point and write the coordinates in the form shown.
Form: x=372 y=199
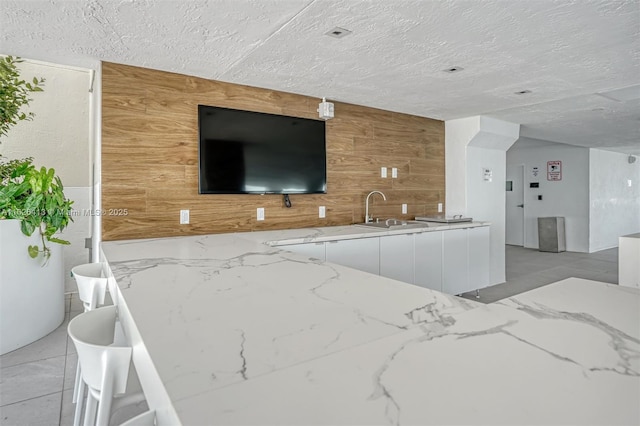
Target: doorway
x=514 y=232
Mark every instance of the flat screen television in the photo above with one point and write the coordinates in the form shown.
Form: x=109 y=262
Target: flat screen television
x=244 y=152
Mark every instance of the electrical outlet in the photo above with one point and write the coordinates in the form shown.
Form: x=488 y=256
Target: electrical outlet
x=404 y=209
x=394 y=172
x=322 y=212
x=260 y=213
x=184 y=217
x=383 y=172
x=439 y=207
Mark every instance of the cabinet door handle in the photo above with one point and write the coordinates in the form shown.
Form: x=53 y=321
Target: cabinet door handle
x=520 y=205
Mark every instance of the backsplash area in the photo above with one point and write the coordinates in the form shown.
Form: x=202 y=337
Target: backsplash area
x=150 y=159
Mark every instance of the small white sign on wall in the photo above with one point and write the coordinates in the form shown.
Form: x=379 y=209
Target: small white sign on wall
x=535 y=171
x=487 y=174
x=554 y=170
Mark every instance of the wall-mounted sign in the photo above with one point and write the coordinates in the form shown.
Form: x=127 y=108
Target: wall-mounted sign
x=535 y=171
x=554 y=170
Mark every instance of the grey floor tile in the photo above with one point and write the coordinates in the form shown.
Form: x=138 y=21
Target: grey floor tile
x=70 y=371
x=67 y=412
x=76 y=304
x=598 y=265
x=41 y=411
x=31 y=380
x=611 y=278
x=610 y=255
x=71 y=349
x=527 y=269
x=564 y=272
x=521 y=270
x=52 y=345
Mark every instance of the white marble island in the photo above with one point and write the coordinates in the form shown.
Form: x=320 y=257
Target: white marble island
x=227 y=330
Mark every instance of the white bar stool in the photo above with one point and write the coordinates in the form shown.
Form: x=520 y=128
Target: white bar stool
x=92 y=284
x=104 y=367
x=92 y=288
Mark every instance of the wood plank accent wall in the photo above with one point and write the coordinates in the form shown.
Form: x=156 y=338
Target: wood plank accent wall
x=150 y=155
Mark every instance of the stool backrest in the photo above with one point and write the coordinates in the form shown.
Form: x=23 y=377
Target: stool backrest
x=102 y=365
x=92 y=285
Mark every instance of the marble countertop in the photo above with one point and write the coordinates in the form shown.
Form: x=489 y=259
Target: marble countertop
x=229 y=330
x=333 y=233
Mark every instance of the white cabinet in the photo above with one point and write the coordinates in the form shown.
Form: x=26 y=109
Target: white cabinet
x=478 y=257
x=362 y=254
x=396 y=257
x=629 y=260
x=452 y=261
x=455 y=265
x=428 y=260
x=314 y=250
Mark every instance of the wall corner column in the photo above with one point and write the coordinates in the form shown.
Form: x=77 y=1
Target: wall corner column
x=472 y=145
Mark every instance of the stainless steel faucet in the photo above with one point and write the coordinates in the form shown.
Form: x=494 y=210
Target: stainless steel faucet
x=367 y=218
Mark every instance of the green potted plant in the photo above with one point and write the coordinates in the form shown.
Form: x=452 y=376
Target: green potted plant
x=33 y=208
x=36 y=198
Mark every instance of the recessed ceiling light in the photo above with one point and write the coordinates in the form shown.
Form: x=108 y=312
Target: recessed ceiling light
x=453 y=69
x=522 y=92
x=338 y=32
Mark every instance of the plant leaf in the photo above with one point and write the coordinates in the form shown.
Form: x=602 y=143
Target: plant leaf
x=33 y=251
x=27 y=227
x=59 y=241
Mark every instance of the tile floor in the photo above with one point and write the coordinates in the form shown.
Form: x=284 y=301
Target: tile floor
x=527 y=269
x=36 y=382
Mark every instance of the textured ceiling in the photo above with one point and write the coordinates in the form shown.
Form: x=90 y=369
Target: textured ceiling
x=564 y=52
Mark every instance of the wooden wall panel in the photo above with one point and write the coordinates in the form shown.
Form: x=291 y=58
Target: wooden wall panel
x=150 y=154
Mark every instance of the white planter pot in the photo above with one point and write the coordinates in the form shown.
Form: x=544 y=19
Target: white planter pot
x=31 y=296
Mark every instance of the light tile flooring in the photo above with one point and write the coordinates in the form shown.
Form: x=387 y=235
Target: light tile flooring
x=527 y=269
x=36 y=382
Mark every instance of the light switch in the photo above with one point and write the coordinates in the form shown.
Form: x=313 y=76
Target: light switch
x=439 y=207
x=404 y=209
x=184 y=217
x=322 y=212
x=394 y=172
x=383 y=172
x=260 y=213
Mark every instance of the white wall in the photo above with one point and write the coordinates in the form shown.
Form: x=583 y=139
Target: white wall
x=568 y=198
x=472 y=144
x=614 y=206
x=59 y=138
x=457 y=134
x=486 y=202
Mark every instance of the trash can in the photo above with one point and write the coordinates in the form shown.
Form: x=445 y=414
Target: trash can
x=551 y=236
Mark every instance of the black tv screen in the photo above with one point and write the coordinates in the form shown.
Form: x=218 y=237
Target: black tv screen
x=244 y=152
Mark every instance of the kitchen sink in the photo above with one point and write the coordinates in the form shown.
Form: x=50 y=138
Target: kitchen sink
x=444 y=219
x=393 y=224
